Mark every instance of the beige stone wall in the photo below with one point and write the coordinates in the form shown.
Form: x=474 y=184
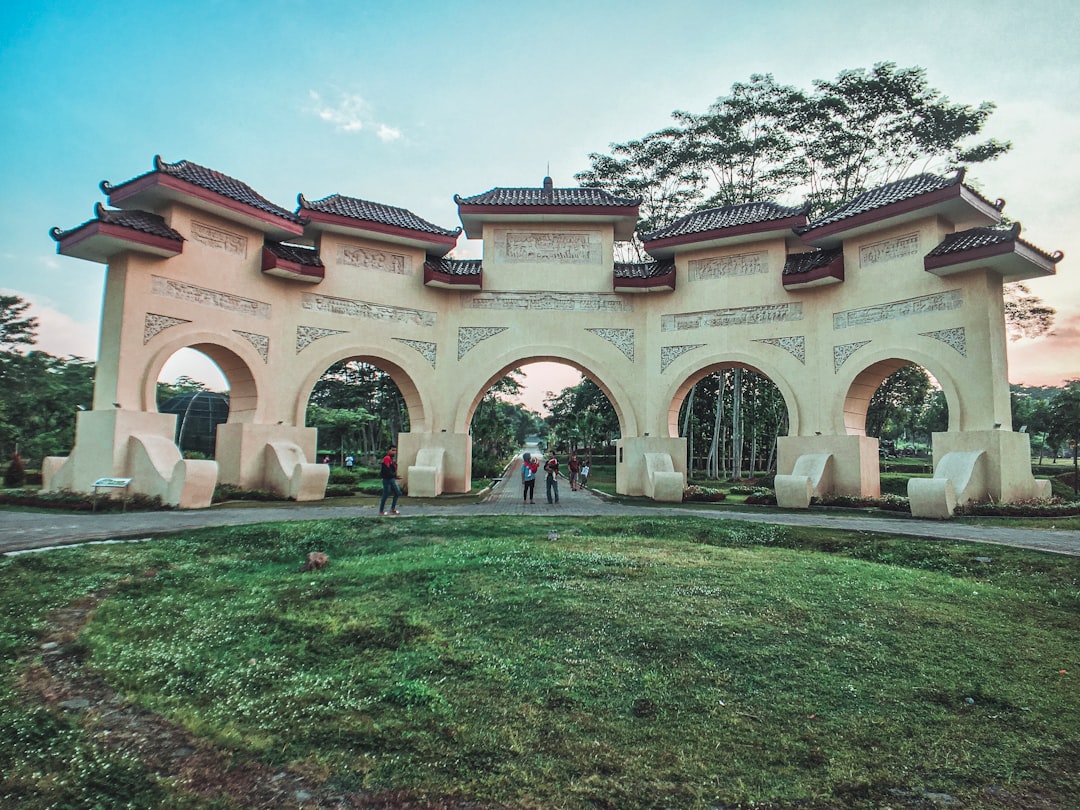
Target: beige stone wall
x=547 y=295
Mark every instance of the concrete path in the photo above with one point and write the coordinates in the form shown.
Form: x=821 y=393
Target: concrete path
x=20 y=531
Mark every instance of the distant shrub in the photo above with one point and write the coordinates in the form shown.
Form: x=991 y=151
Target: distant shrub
x=15 y=475
x=228 y=492
x=702 y=494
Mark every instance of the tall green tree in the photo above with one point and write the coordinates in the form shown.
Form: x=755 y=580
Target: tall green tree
x=17 y=329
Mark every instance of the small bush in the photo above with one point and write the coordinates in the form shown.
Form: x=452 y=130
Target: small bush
x=340 y=475
x=228 y=492
x=339 y=490
x=702 y=494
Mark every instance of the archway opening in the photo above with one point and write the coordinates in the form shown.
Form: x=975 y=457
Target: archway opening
x=731 y=416
x=358 y=410
x=192 y=386
x=544 y=405
x=899 y=403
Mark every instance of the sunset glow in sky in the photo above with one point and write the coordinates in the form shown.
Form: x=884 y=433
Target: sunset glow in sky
x=409 y=103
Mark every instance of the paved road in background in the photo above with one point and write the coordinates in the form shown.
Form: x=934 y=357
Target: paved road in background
x=21 y=531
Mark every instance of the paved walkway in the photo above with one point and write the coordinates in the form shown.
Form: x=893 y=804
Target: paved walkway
x=20 y=531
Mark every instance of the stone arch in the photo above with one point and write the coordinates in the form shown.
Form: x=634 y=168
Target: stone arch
x=686 y=376
x=382 y=358
x=233 y=356
x=617 y=394
x=857 y=389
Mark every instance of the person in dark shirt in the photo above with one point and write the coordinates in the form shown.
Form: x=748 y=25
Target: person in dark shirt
x=552 y=470
x=388 y=473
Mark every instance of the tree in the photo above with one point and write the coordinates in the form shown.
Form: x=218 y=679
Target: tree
x=898 y=402
x=1026 y=315
x=354 y=385
x=16 y=331
x=1065 y=429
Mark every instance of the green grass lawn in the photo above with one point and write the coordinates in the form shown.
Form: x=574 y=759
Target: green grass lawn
x=632 y=662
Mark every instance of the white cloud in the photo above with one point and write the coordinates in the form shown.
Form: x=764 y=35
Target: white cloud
x=351 y=113
x=59 y=334
x=387 y=133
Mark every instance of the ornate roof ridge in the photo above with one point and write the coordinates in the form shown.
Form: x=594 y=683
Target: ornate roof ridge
x=370 y=211
x=134 y=219
x=726 y=216
x=548 y=195
x=972 y=238
x=210 y=180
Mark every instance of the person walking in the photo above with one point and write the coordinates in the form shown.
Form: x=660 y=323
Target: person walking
x=585 y=475
x=529 y=466
x=573 y=467
x=388 y=473
x=552 y=470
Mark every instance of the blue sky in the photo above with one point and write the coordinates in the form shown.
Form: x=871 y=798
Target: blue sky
x=408 y=103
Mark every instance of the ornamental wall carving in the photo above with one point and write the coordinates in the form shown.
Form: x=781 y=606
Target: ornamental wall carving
x=564 y=302
x=219 y=238
x=795 y=346
x=181 y=291
x=920 y=305
x=669 y=354
x=842 y=352
x=621 y=339
x=154 y=324
x=424 y=347
x=561 y=247
x=372 y=259
x=351 y=308
x=469 y=336
x=741 y=264
x=888 y=249
x=733 y=316
x=956 y=338
x=260 y=342
x=306 y=335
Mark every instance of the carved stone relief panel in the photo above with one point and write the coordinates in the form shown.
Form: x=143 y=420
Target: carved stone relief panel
x=181 y=291
x=351 y=308
x=894 y=310
x=888 y=249
x=621 y=339
x=424 y=347
x=306 y=335
x=742 y=264
x=469 y=336
x=374 y=259
x=260 y=342
x=733 y=316
x=153 y=324
x=548 y=247
x=566 y=302
x=219 y=238
x=955 y=337
x=669 y=354
x=844 y=351
x=795 y=345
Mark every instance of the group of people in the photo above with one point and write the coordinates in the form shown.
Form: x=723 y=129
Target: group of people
x=530 y=465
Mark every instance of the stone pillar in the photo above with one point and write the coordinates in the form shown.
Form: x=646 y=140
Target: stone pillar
x=241 y=448
x=456 y=458
x=1007 y=465
x=855 y=465
x=631 y=463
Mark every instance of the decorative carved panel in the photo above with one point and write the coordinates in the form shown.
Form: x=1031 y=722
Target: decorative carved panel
x=955 y=337
x=422 y=346
x=795 y=346
x=469 y=336
x=171 y=288
x=669 y=354
x=889 y=249
x=734 y=316
x=573 y=302
x=365 y=309
x=843 y=352
x=219 y=239
x=373 y=259
x=306 y=335
x=260 y=342
x=621 y=339
x=894 y=310
x=742 y=264
x=153 y=324
x=560 y=247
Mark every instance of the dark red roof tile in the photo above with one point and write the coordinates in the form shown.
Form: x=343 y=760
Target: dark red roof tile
x=142 y=221
x=210 y=180
x=800 y=263
x=366 y=211
x=728 y=216
x=975 y=238
x=644 y=270
x=548 y=195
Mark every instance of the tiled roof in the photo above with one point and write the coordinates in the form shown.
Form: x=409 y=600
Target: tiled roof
x=728 y=216
x=643 y=269
x=799 y=263
x=142 y=221
x=898 y=191
x=456 y=267
x=366 y=211
x=548 y=195
x=213 y=181
x=298 y=254
x=974 y=238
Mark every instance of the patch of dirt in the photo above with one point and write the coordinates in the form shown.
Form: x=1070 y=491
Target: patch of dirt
x=55 y=676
